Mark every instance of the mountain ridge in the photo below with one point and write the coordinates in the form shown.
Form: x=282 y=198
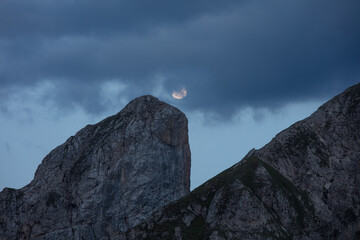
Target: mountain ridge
x=303 y=184
x=107 y=178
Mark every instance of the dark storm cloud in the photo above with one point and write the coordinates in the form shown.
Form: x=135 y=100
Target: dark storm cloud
x=78 y=17
x=228 y=54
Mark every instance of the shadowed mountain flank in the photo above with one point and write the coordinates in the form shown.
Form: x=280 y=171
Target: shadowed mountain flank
x=304 y=184
x=127 y=177
x=106 y=179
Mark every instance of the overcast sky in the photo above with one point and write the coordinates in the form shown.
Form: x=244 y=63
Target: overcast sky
x=250 y=67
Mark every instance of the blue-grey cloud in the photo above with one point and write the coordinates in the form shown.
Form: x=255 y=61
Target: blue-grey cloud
x=228 y=54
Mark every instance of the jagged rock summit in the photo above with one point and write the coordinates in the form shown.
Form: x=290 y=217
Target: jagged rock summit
x=106 y=179
x=109 y=181
x=304 y=184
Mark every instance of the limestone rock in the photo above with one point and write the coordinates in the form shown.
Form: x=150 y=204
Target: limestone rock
x=304 y=184
x=106 y=179
x=109 y=181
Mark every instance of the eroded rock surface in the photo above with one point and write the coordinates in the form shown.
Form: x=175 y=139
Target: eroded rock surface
x=105 y=182
x=106 y=179
x=304 y=184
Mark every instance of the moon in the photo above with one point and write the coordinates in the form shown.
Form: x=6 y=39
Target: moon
x=179 y=94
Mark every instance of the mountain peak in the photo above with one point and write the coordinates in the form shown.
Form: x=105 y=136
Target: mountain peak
x=304 y=184
x=107 y=178
x=123 y=178
x=146 y=100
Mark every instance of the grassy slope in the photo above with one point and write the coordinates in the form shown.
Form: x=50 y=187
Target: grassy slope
x=173 y=214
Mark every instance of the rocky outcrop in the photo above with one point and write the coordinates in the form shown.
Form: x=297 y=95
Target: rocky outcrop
x=118 y=180
x=304 y=184
x=106 y=179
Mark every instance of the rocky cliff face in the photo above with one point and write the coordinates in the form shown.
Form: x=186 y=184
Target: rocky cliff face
x=109 y=180
x=304 y=184
x=106 y=179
